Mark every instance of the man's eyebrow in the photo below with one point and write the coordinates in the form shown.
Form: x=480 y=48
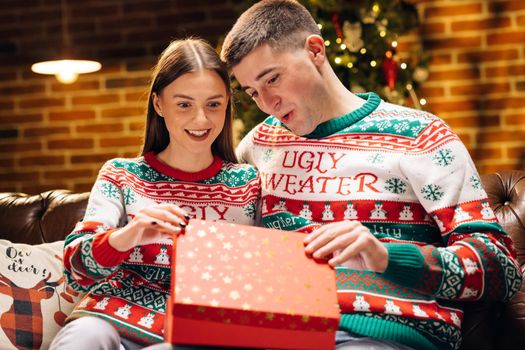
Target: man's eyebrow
x=264 y=72
x=260 y=75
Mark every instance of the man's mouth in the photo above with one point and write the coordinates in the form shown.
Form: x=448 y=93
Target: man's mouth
x=286 y=117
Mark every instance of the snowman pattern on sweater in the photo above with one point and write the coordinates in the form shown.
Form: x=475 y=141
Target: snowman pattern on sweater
x=470 y=266
x=84 y=302
x=438 y=222
x=469 y=293
x=360 y=304
x=101 y=305
x=281 y=205
x=162 y=258
x=460 y=215
x=391 y=308
x=147 y=320
x=136 y=256
x=350 y=212
x=378 y=212
x=406 y=214
x=328 y=214
x=418 y=311
x=124 y=311
x=486 y=212
x=306 y=212
x=455 y=318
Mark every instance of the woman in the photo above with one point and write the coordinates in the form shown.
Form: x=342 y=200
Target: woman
x=120 y=253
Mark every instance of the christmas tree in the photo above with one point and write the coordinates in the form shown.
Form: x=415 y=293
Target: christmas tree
x=361 y=44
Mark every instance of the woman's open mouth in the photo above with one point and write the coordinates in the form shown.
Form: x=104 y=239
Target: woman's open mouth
x=198 y=134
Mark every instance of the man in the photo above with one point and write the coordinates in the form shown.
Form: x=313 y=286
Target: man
x=389 y=195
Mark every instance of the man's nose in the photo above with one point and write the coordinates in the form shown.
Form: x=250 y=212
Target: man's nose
x=271 y=102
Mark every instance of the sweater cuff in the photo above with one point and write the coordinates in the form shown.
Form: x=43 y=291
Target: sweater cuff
x=405 y=264
x=104 y=254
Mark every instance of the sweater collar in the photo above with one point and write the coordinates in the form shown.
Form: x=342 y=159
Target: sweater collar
x=334 y=125
x=212 y=170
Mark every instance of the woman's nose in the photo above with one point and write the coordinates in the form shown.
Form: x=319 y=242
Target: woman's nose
x=201 y=114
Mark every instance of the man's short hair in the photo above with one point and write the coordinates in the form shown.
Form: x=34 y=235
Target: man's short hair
x=282 y=24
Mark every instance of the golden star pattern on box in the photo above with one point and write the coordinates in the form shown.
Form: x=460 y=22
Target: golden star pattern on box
x=252 y=276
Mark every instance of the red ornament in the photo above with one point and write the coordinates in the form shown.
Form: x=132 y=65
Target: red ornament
x=337 y=25
x=390 y=68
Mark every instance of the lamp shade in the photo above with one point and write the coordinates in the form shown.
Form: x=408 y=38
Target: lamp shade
x=66 y=71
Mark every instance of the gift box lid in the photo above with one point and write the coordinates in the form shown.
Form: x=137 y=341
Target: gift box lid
x=251 y=275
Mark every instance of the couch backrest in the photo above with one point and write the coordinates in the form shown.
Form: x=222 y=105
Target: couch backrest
x=41 y=218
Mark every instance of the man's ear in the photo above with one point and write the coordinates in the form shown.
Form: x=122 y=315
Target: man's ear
x=314 y=45
x=156 y=103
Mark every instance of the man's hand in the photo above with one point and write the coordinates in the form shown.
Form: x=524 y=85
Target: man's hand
x=348 y=243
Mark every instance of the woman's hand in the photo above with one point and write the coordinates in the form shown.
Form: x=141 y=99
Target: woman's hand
x=149 y=225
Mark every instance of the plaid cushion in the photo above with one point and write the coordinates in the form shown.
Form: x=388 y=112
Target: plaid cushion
x=34 y=300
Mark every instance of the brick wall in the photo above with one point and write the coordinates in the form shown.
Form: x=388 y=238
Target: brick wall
x=477 y=76
x=57 y=136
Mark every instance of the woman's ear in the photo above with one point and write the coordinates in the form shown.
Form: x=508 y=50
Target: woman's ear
x=156 y=103
x=314 y=45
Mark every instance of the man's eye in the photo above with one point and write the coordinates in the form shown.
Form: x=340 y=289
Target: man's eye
x=273 y=79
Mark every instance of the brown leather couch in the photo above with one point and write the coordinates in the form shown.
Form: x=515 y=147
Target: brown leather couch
x=51 y=215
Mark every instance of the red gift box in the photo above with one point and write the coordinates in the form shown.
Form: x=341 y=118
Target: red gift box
x=245 y=286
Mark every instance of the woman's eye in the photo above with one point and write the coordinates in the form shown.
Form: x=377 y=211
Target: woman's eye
x=214 y=104
x=183 y=104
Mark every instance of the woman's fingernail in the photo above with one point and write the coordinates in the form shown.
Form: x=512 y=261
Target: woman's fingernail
x=153 y=222
x=182 y=224
x=187 y=217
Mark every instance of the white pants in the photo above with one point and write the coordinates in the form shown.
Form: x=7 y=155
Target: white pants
x=91 y=333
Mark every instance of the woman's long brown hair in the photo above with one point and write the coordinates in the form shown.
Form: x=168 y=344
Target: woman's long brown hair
x=177 y=59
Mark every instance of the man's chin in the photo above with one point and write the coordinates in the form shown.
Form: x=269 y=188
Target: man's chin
x=298 y=130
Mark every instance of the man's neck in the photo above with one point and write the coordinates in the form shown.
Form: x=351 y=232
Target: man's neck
x=340 y=100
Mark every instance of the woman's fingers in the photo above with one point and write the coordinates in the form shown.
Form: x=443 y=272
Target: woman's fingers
x=165 y=226
x=166 y=214
x=175 y=209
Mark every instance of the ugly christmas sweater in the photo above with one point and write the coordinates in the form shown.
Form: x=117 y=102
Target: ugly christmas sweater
x=407 y=177
x=129 y=289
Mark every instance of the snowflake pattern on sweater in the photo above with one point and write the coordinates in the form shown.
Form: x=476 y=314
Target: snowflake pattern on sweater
x=129 y=289
x=407 y=177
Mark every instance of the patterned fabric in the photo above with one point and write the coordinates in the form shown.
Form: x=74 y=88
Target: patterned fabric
x=408 y=178
x=34 y=301
x=129 y=289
